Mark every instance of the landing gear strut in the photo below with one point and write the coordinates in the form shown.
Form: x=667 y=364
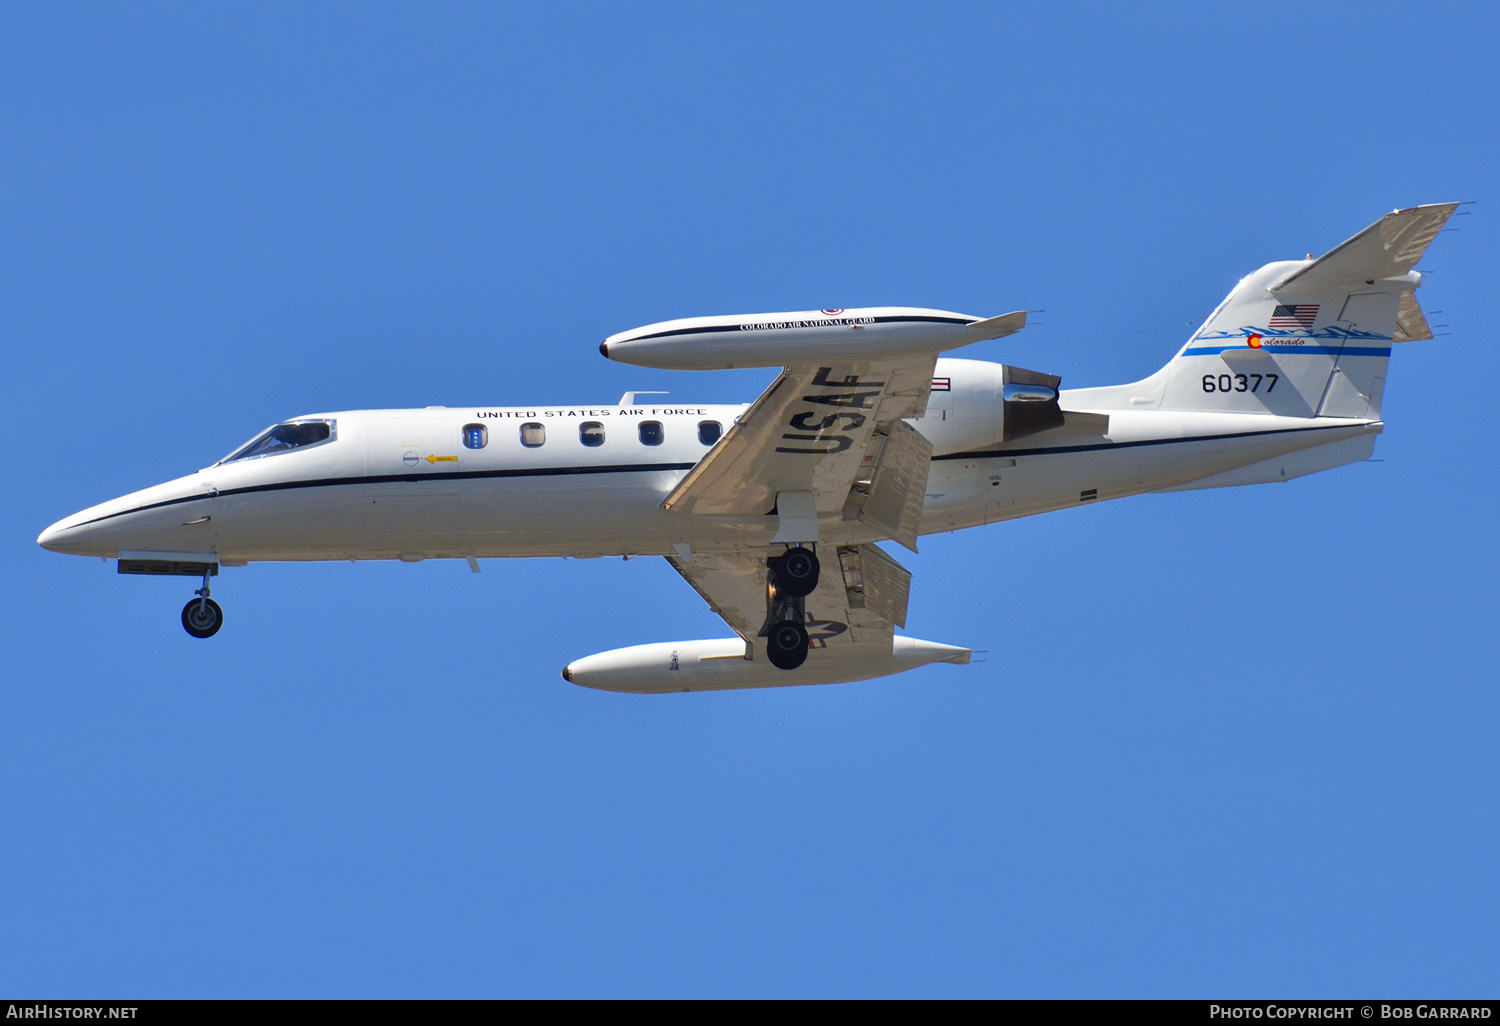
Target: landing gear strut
x=202 y=617
x=793 y=576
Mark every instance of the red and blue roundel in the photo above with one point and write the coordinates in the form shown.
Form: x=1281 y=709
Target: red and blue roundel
x=831 y=313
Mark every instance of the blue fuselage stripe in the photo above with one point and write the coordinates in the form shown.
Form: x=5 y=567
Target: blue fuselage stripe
x=1275 y=350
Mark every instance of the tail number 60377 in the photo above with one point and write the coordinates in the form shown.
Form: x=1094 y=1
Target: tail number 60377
x=1239 y=382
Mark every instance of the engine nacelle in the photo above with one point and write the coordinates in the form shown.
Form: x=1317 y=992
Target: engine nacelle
x=720 y=665
x=975 y=404
x=812 y=336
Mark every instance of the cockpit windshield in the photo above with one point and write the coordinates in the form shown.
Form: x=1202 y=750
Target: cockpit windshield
x=294 y=434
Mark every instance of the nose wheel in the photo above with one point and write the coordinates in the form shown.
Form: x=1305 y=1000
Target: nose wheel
x=202 y=617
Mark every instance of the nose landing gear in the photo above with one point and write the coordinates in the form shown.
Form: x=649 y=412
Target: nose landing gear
x=202 y=617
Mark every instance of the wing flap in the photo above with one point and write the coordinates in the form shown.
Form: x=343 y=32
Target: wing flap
x=892 y=484
x=875 y=583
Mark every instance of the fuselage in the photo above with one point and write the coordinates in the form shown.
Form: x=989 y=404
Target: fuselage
x=586 y=481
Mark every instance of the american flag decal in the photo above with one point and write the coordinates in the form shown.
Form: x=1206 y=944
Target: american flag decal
x=1299 y=316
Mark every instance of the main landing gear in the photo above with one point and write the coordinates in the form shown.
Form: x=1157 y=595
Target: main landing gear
x=786 y=645
x=796 y=572
x=793 y=576
x=202 y=617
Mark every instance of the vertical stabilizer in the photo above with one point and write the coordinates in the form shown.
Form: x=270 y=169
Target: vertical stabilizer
x=1305 y=338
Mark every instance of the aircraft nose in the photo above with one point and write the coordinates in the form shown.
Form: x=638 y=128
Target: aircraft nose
x=57 y=537
x=73 y=535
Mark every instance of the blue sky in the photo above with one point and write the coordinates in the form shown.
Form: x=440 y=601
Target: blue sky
x=1231 y=743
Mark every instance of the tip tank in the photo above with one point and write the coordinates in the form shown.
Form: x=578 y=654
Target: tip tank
x=810 y=336
x=721 y=665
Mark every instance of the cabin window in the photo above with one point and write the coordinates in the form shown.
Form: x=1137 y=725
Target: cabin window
x=591 y=433
x=709 y=431
x=651 y=433
x=533 y=434
x=476 y=436
x=294 y=434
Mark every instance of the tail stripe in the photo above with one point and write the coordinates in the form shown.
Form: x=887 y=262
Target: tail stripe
x=1292 y=350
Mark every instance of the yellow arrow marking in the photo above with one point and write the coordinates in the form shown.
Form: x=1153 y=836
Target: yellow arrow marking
x=442 y=459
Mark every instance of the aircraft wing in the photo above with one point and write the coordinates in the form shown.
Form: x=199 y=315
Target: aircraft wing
x=856 y=604
x=828 y=441
x=835 y=431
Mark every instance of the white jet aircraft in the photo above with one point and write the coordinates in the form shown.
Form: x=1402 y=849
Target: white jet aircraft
x=773 y=511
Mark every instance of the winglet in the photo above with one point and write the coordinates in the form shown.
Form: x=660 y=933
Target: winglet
x=997 y=327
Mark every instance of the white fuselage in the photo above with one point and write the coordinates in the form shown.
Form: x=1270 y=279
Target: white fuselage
x=402 y=484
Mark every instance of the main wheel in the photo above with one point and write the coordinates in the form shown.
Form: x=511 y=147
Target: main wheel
x=202 y=618
x=797 y=572
x=786 y=646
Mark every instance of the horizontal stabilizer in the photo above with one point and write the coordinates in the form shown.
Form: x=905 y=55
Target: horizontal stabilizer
x=1387 y=249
